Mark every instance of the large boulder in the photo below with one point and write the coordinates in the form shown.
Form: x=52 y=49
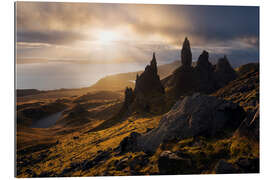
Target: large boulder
x=197 y=115
x=129 y=143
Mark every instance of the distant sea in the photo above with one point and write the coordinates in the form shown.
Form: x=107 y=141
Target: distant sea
x=48 y=76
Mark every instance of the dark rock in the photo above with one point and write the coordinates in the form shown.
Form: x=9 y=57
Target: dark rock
x=204 y=78
x=129 y=143
x=224 y=167
x=148 y=85
x=224 y=72
x=170 y=163
x=129 y=96
x=149 y=80
x=75 y=137
x=186 y=56
x=122 y=164
x=204 y=71
x=153 y=64
x=183 y=81
x=248 y=165
x=87 y=164
x=138 y=162
x=197 y=115
x=148 y=129
x=250 y=126
x=103 y=155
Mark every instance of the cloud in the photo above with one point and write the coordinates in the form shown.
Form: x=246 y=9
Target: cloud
x=48 y=37
x=73 y=29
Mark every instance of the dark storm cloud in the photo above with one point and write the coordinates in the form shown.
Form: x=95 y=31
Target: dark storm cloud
x=208 y=24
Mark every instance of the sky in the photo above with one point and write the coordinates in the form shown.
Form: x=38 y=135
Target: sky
x=115 y=33
x=70 y=45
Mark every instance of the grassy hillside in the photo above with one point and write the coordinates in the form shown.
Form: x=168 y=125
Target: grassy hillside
x=87 y=139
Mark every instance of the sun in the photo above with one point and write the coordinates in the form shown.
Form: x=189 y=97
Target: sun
x=107 y=36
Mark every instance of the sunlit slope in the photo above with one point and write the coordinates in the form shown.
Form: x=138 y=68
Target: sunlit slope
x=86 y=142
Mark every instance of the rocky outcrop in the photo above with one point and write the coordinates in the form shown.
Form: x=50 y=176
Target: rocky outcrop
x=204 y=77
x=224 y=73
x=186 y=55
x=129 y=96
x=204 y=71
x=197 y=115
x=149 y=80
x=250 y=126
x=148 y=87
x=129 y=143
x=183 y=79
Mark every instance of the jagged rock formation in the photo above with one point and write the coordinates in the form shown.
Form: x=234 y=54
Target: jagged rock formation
x=148 y=86
x=186 y=56
x=224 y=72
x=182 y=80
x=149 y=80
x=197 y=115
x=204 y=77
x=205 y=74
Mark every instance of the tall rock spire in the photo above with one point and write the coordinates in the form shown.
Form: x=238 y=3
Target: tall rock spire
x=148 y=85
x=153 y=63
x=186 y=56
